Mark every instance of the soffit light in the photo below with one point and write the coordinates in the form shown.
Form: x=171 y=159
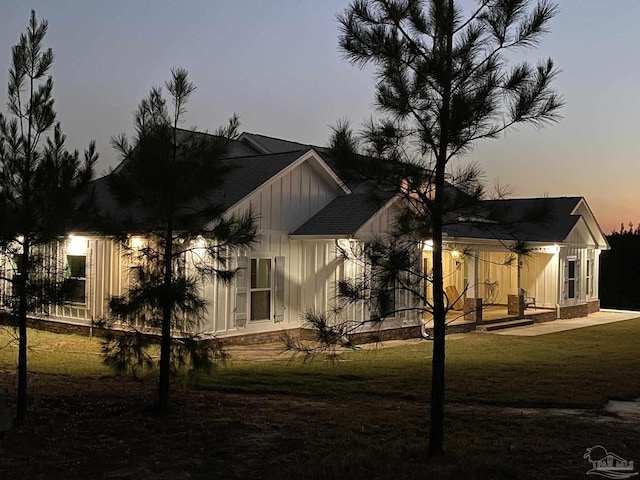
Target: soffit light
x=76 y=245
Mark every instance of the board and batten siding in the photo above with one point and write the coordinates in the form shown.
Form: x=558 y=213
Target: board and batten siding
x=581 y=246
x=323 y=265
x=282 y=205
x=103 y=280
x=539 y=274
x=380 y=223
x=289 y=200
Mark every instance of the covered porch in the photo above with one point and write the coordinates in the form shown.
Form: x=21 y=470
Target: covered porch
x=485 y=281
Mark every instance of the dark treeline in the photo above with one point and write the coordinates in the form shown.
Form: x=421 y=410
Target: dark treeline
x=620 y=269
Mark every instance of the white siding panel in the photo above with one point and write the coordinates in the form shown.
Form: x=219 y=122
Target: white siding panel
x=537 y=277
x=283 y=205
x=290 y=201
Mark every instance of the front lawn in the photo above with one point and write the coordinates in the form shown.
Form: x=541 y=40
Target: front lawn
x=577 y=368
x=363 y=417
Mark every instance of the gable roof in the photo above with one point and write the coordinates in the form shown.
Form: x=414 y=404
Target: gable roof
x=529 y=219
x=250 y=166
x=267 y=144
x=255 y=159
x=264 y=144
x=347 y=213
x=245 y=174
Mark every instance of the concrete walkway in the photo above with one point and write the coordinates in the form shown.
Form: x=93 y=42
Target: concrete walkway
x=598 y=318
x=275 y=351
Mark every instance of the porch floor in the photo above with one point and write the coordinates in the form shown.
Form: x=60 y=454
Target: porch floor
x=494 y=313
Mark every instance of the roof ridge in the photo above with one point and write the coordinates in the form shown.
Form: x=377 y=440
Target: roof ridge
x=266 y=154
x=577 y=197
x=280 y=139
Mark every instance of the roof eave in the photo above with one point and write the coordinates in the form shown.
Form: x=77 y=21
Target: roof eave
x=332 y=236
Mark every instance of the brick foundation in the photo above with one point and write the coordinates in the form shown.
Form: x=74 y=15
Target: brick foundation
x=460 y=328
x=593 y=306
x=403 y=333
x=574 y=311
x=265 y=337
x=548 y=316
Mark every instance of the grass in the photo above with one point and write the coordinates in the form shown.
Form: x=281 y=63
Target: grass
x=577 y=368
x=52 y=353
x=363 y=417
x=590 y=364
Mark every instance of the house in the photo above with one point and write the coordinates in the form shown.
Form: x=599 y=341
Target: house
x=308 y=212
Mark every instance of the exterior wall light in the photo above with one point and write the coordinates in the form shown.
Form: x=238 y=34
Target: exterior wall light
x=76 y=245
x=136 y=243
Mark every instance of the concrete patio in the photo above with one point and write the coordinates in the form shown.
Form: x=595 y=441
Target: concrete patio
x=602 y=317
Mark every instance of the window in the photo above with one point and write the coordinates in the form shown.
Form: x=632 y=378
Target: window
x=260 y=288
x=571 y=278
x=426 y=272
x=589 y=277
x=387 y=302
x=384 y=302
x=75 y=279
x=17 y=273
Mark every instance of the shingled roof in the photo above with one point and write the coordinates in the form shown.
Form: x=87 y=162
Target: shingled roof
x=347 y=213
x=255 y=159
x=245 y=174
x=530 y=219
x=274 y=145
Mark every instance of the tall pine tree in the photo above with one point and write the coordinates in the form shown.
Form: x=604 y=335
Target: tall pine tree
x=178 y=237
x=444 y=82
x=39 y=181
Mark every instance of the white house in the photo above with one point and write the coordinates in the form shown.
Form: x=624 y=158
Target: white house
x=306 y=209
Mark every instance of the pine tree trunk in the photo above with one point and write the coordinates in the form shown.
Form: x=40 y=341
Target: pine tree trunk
x=165 y=342
x=436 y=430
x=22 y=333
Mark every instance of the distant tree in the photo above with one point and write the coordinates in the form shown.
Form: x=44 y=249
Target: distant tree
x=620 y=269
x=39 y=180
x=183 y=237
x=443 y=83
x=624 y=231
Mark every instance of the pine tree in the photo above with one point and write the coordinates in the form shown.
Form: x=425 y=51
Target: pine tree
x=39 y=180
x=178 y=239
x=443 y=83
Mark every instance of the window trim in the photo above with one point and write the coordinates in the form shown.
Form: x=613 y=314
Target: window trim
x=67 y=276
x=378 y=287
x=269 y=289
x=590 y=267
x=572 y=281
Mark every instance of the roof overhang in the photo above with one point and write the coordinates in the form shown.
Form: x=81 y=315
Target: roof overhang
x=599 y=238
x=320 y=237
x=499 y=243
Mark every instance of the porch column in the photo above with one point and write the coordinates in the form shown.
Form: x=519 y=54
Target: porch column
x=473 y=302
x=515 y=303
x=473 y=290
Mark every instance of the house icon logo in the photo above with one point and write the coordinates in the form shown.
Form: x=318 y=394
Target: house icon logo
x=608 y=464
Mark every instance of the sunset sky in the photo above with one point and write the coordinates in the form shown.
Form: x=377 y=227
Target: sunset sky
x=276 y=63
